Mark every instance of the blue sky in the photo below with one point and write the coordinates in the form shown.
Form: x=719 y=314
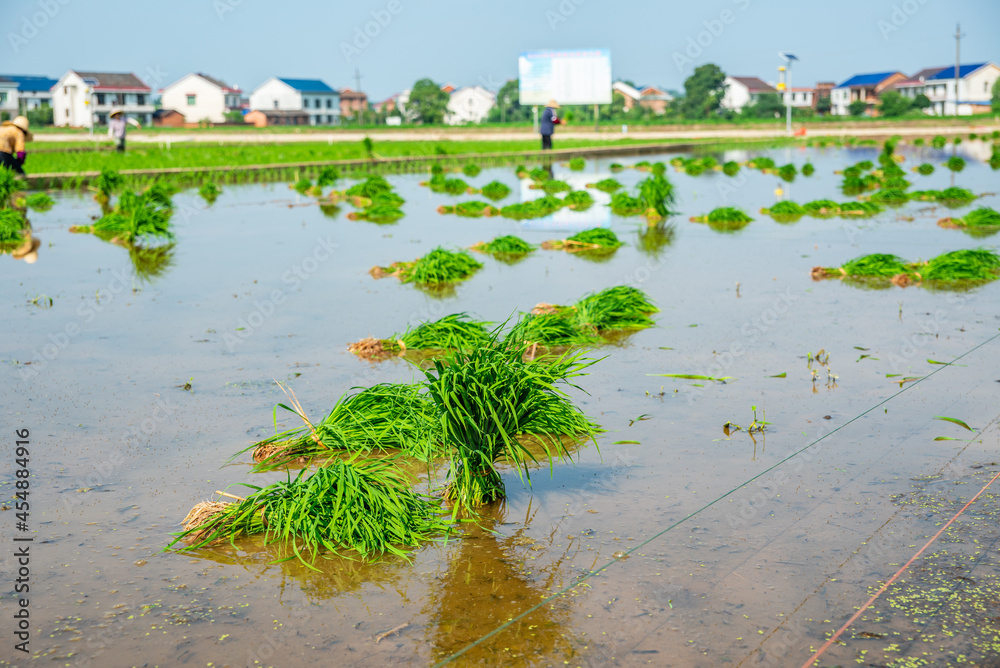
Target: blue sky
x=473 y=41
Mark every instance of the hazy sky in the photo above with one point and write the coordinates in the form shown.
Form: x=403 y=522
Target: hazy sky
x=473 y=41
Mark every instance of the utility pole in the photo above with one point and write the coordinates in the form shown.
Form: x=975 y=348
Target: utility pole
x=789 y=58
x=357 y=85
x=958 y=60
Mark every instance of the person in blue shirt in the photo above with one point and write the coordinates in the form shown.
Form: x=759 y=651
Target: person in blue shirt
x=547 y=125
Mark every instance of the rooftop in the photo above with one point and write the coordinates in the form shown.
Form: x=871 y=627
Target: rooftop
x=755 y=84
x=963 y=71
x=114 y=80
x=865 y=80
x=307 y=85
x=30 y=83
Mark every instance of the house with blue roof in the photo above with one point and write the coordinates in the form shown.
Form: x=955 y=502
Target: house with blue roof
x=975 y=89
x=29 y=92
x=316 y=99
x=865 y=87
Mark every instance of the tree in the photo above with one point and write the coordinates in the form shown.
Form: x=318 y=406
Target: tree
x=428 y=103
x=857 y=108
x=766 y=105
x=995 y=101
x=703 y=91
x=823 y=104
x=921 y=102
x=509 y=112
x=233 y=116
x=892 y=104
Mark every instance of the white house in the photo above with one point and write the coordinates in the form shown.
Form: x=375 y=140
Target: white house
x=862 y=87
x=8 y=96
x=798 y=97
x=975 y=86
x=312 y=96
x=199 y=97
x=741 y=91
x=32 y=91
x=469 y=104
x=81 y=99
x=630 y=93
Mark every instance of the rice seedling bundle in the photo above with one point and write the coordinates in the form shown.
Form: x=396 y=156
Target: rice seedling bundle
x=852 y=185
x=620 y=307
x=457 y=331
x=808 y=169
x=10 y=183
x=134 y=219
x=449 y=186
x=108 y=183
x=578 y=200
x=952 y=194
x=440 y=266
x=660 y=168
x=553 y=186
x=658 y=195
x=787 y=172
x=209 y=191
x=302 y=185
x=976 y=264
x=370 y=188
x=822 y=207
x=597 y=238
x=552 y=326
x=725 y=214
x=785 y=211
x=39 y=202
x=495 y=190
x=962 y=266
x=616 y=167
x=606 y=185
x=539 y=174
x=328 y=176
x=694 y=168
x=938 y=141
x=471 y=170
x=505 y=245
x=876 y=264
x=642 y=165
x=535 y=208
x=623 y=204
x=983 y=220
x=12 y=228
x=994 y=161
x=862 y=209
x=955 y=163
x=365 y=506
x=381 y=214
x=731 y=168
x=891 y=196
x=577 y=164
x=471 y=209
x=895 y=183
x=925 y=168
x=761 y=162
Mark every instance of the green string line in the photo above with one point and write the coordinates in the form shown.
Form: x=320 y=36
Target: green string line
x=708 y=505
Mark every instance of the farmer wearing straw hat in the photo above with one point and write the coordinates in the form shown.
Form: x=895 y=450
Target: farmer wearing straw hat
x=548 y=124
x=13 y=134
x=117 y=124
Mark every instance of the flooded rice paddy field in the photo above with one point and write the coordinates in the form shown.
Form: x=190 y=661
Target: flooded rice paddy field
x=263 y=286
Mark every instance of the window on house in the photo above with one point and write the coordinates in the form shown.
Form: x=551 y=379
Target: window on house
x=100 y=98
x=275 y=104
x=3 y=98
x=191 y=99
x=329 y=103
x=140 y=99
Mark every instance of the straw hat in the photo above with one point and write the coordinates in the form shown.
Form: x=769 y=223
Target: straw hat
x=28 y=251
x=21 y=123
x=553 y=104
x=116 y=112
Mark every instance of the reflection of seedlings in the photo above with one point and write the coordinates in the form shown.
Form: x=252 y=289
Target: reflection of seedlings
x=42 y=301
x=655 y=237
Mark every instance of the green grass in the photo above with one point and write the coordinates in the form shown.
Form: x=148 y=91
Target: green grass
x=440 y=266
x=363 y=506
x=495 y=191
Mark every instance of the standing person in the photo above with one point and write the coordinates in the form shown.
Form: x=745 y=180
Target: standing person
x=548 y=124
x=117 y=124
x=13 y=135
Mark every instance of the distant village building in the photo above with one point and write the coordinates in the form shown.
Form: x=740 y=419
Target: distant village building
x=975 y=88
x=630 y=94
x=648 y=97
x=469 y=104
x=741 y=91
x=313 y=97
x=8 y=97
x=799 y=97
x=82 y=99
x=168 y=118
x=31 y=92
x=352 y=102
x=864 y=87
x=262 y=118
x=199 y=97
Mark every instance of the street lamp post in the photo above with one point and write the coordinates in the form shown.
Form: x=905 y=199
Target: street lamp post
x=789 y=58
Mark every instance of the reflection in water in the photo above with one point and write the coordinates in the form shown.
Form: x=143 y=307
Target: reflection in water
x=655 y=238
x=151 y=262
x=487 y=583
x=26 y=250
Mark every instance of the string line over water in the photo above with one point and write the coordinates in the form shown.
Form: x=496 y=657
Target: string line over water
x=448 y=659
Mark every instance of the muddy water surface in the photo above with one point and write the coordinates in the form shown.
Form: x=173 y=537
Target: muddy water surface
x=264 y=286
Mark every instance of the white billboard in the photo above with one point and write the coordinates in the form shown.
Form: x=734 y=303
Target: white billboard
x=581 y=76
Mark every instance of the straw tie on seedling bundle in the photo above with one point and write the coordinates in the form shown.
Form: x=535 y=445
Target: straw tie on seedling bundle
x=598 y=238
x=725 y=219
x=955 y=269
x=438 y=266
x=981 y=222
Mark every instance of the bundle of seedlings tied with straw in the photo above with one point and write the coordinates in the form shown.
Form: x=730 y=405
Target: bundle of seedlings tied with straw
x=955 y=269
x=724 y=219
x=10 y=185
x=385 y=418
x=508 y=248
x=472 y=209
x=595 y=239
x=486 y=397
x=14 y=230
x=495 y=190
x=981 y=222
x=457 y=331
x=364 y=506
x=438 y=266
x=785 y=211
x=135 y=218
x=950 y=197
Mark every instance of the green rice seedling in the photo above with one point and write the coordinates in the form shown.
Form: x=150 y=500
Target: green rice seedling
x=925 y=169
x=134 y=220
x=578 y=200
x=436 y=168
x=976 y=264
x=13 y=228
x=955 y=163
x=384 y=418
x=577 y=164
x=495 y=190
x=953 y=195
x=725 y=219
x=620 y=307
x=956 y=141
x=616 y=167
x=486 y=397
x=860 y=209
x=787 y=172
x=449 y=186
x=471 y=170
x=370 y=188
x=539 y=174
x=822 y=208
x=994 y=161
x=854 y=171
x=521 y=172
x=328 y=176
x=302 y=185
x=654 y=238
x=380 y=214
x=452 y=332
x=108 y=184
x=938 y=141
x=658 y=195
x=919 y=141
x=623 y=204
x=440 y=266
x=151 y=262
x=785 y=211
x=876 y=265
x=642 y=165
x=761 y=162
x=694 y=168
x=890 y=170
x=363 y=506
x=597 y=238
x=553 y=186
x=808 y=169
x=551 y=326
x=506 y=245
x=475 y=209
x=973 y=136
x=890 y=197
x=895 y=183
x=39 y=202
x=10 y=183
x=209 y=191
x=731 y=168
x=658 y=168
x=606 y=185
x=981 y=222
x=865 y=165
x=535 y=208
